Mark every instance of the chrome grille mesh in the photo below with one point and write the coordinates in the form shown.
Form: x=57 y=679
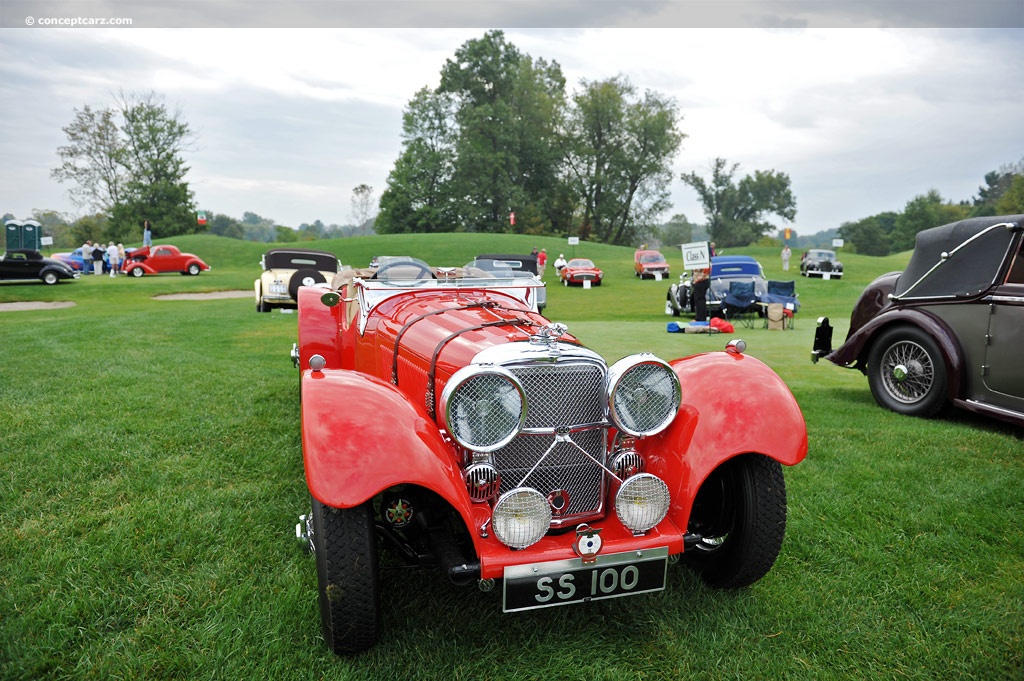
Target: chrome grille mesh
x=559 y=395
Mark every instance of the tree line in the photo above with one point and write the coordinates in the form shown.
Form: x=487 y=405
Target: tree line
x=895 y=231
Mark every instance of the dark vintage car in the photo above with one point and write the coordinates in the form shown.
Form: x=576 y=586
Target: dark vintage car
x=724 y=270
x=446 y=421
x=579 y=270
x=25 y=263
x=949 y=328
x=651 y=264
x=818 y=262
x=162 y=258
x=285 y=270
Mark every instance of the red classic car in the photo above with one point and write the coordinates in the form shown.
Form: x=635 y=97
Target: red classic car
x=161 y=258
x=447 y=421
x=579 y=270
x=650 y=264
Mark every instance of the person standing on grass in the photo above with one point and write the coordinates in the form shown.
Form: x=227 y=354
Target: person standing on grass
x=113 y=258
x=97 y=259
x=542 y=261
x=701 y=283
x=786 y=255
x=86 y=256
x=147 y=233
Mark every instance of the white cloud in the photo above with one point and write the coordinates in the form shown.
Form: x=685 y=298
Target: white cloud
x=290 y=120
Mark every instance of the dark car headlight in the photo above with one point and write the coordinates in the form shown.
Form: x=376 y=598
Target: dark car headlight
x=643 y=394
x=483 y=407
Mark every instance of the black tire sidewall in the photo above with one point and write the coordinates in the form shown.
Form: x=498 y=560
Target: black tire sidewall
x=931 y=403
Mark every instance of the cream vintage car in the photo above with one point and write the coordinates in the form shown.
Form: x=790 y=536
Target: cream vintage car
x=286 y=269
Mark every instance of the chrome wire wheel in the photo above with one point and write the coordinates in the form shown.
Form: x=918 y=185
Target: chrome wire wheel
x=908 y=373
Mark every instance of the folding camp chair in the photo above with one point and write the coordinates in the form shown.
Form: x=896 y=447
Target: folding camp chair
x=784 y=293
x=740 y=303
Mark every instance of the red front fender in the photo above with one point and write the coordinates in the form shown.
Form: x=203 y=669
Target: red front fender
x=732 y=405
x=360 y=436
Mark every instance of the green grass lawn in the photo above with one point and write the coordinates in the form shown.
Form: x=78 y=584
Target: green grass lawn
x=152 y=476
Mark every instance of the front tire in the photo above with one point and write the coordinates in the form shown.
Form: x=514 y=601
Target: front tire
x=907 y=373
x=50 y=278
x=194 y=269
x=348 y=577
x=740 y=514
x=137 y=272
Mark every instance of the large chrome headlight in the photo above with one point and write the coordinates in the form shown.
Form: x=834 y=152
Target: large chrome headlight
x=521 y=517
x=643 y=394
x=483 y=407
x=642 y=502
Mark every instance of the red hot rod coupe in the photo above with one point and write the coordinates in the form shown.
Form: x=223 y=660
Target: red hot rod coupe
x=445 y=419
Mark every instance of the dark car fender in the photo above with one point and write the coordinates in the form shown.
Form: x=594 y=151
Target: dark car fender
x=854 y=352
x=361 y=435
x=732 y=404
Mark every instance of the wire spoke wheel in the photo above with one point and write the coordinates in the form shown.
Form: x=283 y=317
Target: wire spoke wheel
x=907 y=372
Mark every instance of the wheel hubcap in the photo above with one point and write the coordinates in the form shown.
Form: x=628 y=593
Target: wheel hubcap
x=907 y=372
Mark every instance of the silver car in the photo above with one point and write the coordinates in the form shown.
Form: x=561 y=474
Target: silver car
x=949 y=328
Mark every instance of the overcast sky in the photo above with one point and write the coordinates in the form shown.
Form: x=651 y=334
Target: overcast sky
x=289 y=120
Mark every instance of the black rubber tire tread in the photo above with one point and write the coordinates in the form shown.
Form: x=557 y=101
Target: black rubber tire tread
x=933 y=401
x=755 y=499
x=348 y=577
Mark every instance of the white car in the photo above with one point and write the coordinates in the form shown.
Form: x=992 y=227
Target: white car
x=286 y=269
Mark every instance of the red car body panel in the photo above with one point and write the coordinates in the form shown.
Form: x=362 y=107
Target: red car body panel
x=577 y=275
x=161 y=258
x=352 y=453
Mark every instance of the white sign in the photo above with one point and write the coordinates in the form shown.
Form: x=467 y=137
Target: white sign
x=696 y=256
x=837 y=243
x=46 y=240
x=574 y=241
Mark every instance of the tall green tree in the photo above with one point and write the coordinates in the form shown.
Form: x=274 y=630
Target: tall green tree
x=618 y=151
x=418 y=194
x=737 y=212
x=507 y=153
x=127 y=163
x=94 y=160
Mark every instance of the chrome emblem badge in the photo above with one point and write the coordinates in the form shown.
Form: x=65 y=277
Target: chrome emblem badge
x=588 y=543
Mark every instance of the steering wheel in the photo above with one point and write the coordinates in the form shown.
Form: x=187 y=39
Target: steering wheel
x=423 y=271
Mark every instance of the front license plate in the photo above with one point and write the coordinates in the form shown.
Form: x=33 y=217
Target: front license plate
x=561 y=582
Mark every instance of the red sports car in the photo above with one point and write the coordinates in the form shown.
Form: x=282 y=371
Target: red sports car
x=162 y=258
x=446 y=421
x=579 y=270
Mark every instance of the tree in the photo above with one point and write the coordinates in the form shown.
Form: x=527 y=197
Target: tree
x=93 y=161
x=1012 y=202
x=737 y=213
x=870 y=235
x=618 y=149
x=507 y=156
x=923 y=212
x=126 y=163
x=362 y=204
x=676 y=231
x=417 y=196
